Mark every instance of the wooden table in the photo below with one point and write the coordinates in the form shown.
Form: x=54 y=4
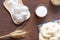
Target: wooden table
x=7 y=25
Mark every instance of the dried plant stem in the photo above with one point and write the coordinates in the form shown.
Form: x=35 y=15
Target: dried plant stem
x=4 y=36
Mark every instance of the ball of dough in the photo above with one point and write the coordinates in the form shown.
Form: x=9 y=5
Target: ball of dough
x=50 y=31
x=41 y=11
x=55 y=2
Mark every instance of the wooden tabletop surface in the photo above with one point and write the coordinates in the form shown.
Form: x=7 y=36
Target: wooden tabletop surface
x=7 y=25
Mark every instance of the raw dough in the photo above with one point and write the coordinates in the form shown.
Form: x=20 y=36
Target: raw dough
x=50 y=31
x=55 y=2
x=18 y=11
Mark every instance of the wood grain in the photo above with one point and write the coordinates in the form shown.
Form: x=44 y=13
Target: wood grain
x=7 y=25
